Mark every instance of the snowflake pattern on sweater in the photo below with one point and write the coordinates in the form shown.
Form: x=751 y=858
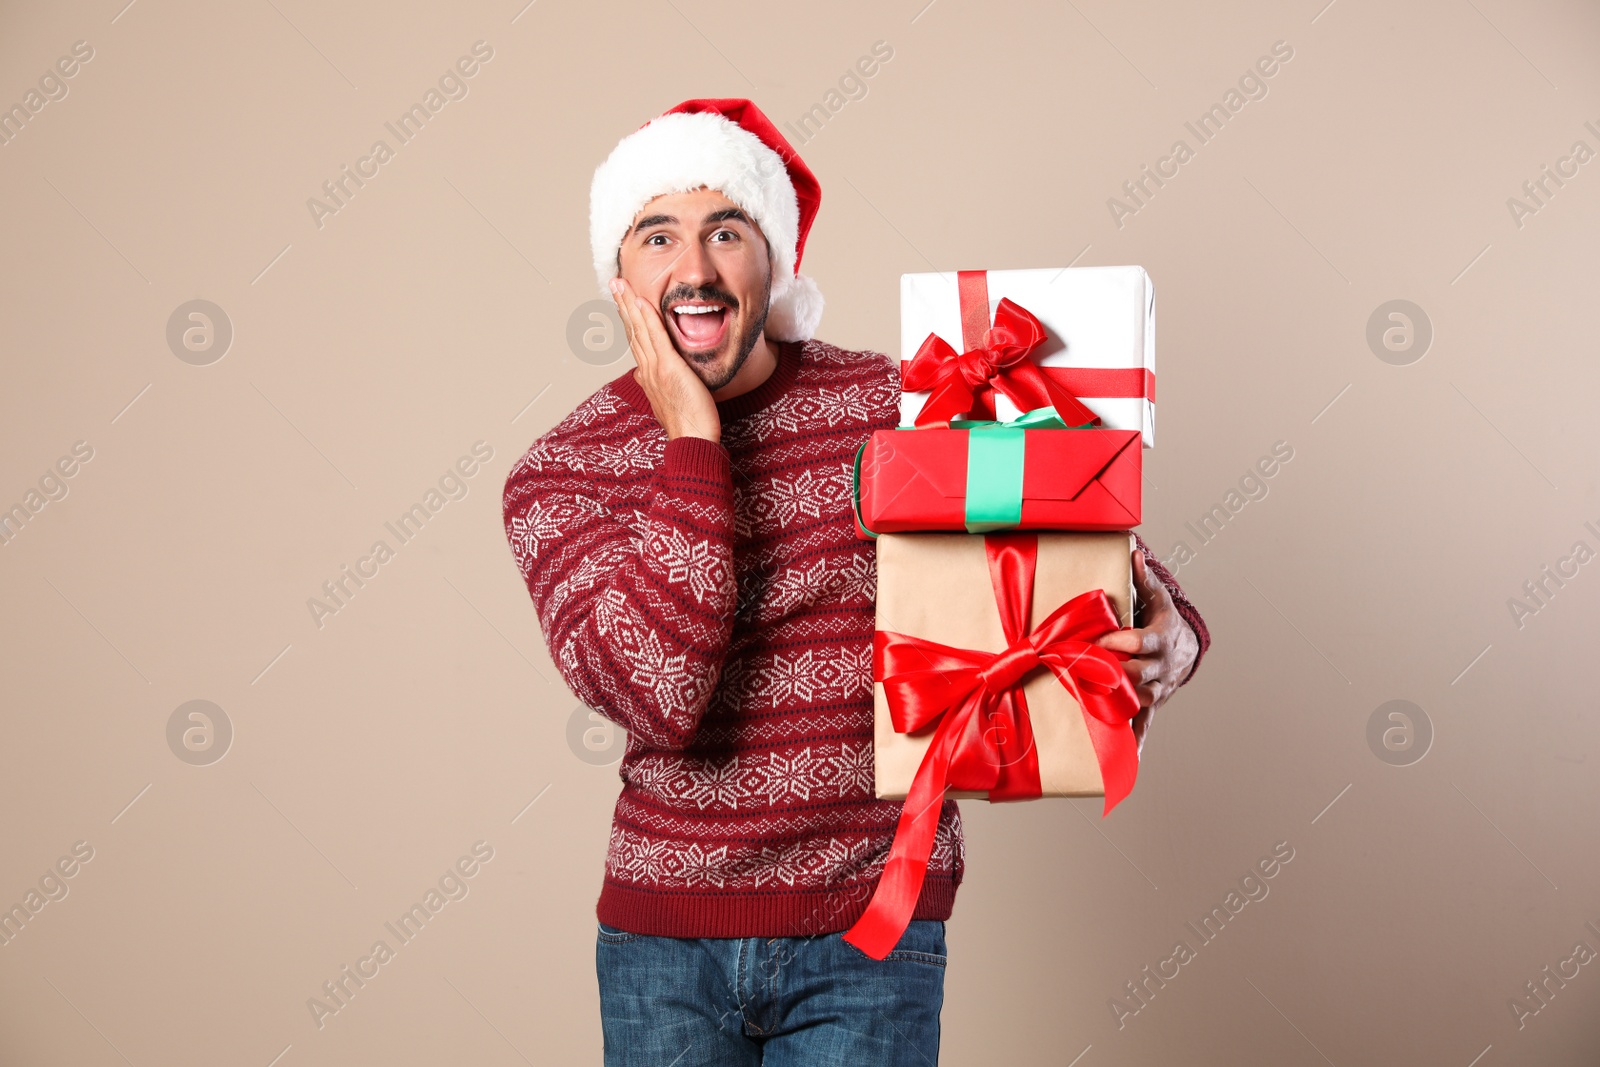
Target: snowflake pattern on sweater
x=714 y=600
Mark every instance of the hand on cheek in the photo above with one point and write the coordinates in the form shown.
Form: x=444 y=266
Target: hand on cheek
x=681 y=402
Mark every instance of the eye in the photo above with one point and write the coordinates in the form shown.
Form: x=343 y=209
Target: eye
x=729 y=233
x=653 y=237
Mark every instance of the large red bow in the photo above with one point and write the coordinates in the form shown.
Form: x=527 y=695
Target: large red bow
x=983 y=739
x=966 y=382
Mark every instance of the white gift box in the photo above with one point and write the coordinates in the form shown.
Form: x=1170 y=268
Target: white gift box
x=1096 y=319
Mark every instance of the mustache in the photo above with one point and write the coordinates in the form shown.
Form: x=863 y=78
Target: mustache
x=705 y=292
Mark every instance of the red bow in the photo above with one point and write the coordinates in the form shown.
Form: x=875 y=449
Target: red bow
x=983 y=739
x=967 y=382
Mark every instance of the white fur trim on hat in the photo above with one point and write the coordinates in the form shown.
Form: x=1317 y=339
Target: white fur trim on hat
x=681 y=152
x=794 y=313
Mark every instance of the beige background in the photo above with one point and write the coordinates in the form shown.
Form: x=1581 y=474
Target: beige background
x=431 y=312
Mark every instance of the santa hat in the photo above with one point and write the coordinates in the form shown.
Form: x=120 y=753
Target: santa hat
x=729 y=146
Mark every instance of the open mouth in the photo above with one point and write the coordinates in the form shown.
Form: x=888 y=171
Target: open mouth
x=699 y=325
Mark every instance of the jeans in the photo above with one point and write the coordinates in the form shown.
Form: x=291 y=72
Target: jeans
x=782 y=1001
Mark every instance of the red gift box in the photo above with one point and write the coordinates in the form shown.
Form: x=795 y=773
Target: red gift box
x=1076 y=479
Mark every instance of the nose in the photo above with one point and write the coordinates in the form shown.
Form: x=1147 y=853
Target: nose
x=695 y=267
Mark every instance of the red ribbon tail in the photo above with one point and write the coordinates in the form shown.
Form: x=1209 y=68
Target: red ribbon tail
x=894 y=901
x=1118 y=755
x=943 y=404
x=1073 y=411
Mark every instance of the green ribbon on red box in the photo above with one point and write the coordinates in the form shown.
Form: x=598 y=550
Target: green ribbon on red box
x=995 y=456
x=996 y=452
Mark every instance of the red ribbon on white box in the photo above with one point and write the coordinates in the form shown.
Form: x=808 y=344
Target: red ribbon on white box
x=997 y=359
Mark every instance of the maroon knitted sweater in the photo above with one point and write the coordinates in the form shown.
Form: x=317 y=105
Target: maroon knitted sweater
x=715 y=601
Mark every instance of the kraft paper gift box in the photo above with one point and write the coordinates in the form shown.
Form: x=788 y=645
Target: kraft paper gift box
x=937 y=586
x=1099 y=325
x=994 y=476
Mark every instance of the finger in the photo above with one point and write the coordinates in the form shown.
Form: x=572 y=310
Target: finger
x=1131 y=669
x=620 y=299
x=1154 y=602
x=1126 y=640
x=619 y=296
x=1142 y=672
x=1148 y=669
x=1141 y=726
x=1150 y=587
x=1132 y=640
x=655 y=329
x=638 y=334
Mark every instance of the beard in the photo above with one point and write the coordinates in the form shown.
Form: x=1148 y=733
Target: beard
x=709 y=365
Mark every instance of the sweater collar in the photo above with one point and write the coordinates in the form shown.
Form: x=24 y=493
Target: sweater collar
x=789 y=353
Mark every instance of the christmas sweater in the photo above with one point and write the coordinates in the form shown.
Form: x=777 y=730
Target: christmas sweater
x=714 y=600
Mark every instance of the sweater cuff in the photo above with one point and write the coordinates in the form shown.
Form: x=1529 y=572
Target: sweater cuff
x=697 y=457
x=1201 y=634
x=1181 y=603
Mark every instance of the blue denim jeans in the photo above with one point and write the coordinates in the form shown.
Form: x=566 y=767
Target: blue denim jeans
x=782 y=1001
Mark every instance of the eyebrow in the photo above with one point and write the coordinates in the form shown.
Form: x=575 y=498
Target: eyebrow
x=720 y=215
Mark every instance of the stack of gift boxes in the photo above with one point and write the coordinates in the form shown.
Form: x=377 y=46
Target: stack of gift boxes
x=1001 y=509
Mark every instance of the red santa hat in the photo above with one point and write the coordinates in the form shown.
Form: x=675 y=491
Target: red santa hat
x=729 y=146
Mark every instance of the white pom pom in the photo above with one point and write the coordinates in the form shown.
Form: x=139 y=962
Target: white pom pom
x=795 y=311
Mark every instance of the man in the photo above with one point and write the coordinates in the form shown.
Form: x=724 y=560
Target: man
x=687 y=536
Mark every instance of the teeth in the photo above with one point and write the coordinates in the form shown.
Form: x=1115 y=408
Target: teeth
x=686 y=310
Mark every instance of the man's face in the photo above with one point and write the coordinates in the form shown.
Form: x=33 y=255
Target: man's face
x=698 y=250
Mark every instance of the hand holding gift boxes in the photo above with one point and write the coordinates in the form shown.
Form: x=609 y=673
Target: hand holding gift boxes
x=988 y=681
